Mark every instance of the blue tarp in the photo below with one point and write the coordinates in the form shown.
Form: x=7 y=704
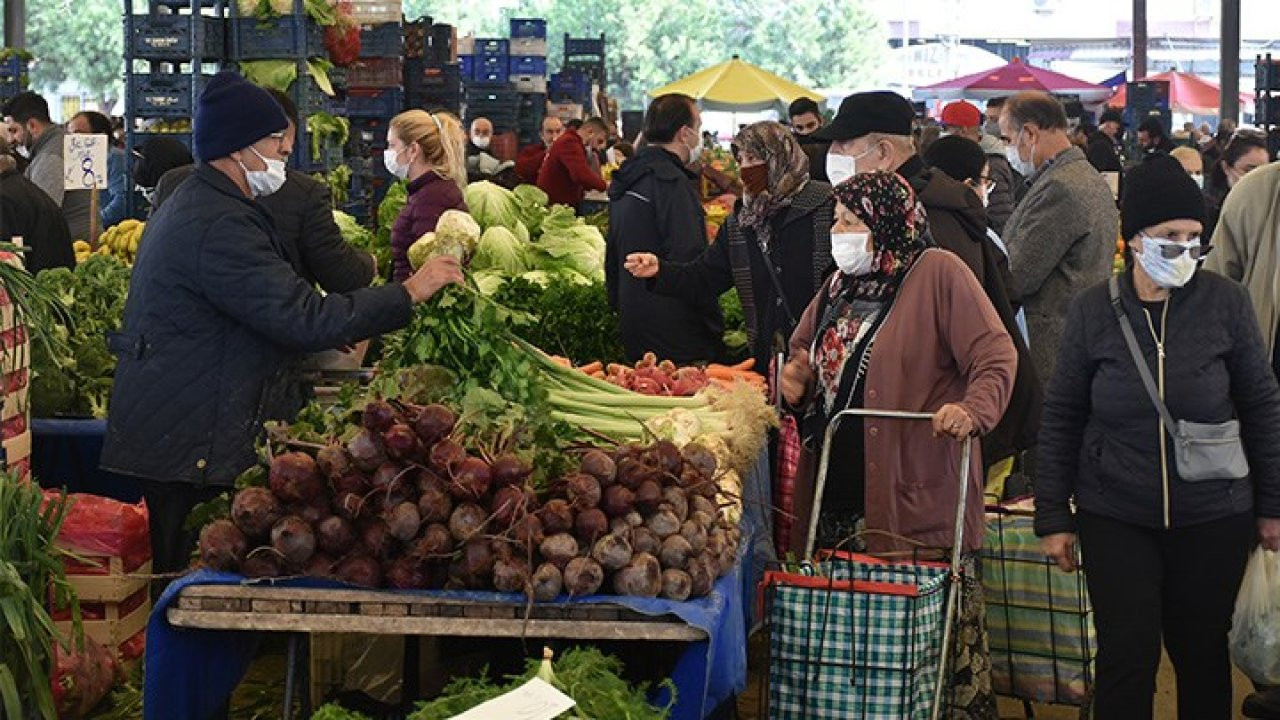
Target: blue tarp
x=191 y=673
x=65 y=452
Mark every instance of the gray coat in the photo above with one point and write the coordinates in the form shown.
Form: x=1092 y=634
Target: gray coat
x=46 y=172
x=1061 y=239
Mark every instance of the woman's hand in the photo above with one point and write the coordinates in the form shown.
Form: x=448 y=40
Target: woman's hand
x=1061 y=548
x=797 y=376
x=1269 y=533
x=432 y=276
x=953 y=420
x=642 y=265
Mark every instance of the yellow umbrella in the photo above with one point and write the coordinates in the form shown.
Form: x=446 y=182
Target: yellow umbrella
x=737 y=86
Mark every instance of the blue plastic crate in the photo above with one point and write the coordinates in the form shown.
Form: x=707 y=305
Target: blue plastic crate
x=13 y=77
x=368 y=136
x=310 y=99
x=584 y=46
x=172 y=37
x=491 y=75
x=527 y=65
x=490 y=60
x=277 y=39
x=330 y=155
x=163 y=96
x=492 y=46
x=375 y=102
x=382 y=41
x=528 y=28
x=467 y=67
x=569 y=86
x=182 y=4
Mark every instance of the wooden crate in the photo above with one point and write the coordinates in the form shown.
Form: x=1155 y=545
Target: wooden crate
x=116 y=627
x=114 y=587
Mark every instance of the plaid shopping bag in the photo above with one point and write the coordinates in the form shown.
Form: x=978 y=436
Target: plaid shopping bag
x=784 y=491
x=854 y=637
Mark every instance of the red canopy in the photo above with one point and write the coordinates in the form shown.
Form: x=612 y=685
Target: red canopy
x=1187 y=93
x=1007 y=80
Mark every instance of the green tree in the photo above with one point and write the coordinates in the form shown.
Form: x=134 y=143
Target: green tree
x=78 y=40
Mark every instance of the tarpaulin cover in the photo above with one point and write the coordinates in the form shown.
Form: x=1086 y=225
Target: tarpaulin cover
x=191 y=673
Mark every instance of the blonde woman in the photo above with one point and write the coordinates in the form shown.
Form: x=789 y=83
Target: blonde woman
x=425 y=149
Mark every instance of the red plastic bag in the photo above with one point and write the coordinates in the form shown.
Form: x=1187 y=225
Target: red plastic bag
x=98 y=527
x=82 y=678
x=342 y=40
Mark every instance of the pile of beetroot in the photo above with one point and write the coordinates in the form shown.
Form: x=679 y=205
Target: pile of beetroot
x=402 y=504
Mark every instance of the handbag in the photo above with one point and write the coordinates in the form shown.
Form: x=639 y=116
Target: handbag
x=1202 y=451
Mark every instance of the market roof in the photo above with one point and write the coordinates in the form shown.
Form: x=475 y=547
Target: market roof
x=1187 y=93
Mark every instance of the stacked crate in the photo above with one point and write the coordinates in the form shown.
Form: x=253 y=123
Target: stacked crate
x=490 y=93
x=13 y=74
x=528 y=70
x=375 y=94
x=433 y=76
x=569 y=92
x=298 y=38
x=172 y=48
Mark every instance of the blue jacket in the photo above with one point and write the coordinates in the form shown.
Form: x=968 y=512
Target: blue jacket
x=215 y=312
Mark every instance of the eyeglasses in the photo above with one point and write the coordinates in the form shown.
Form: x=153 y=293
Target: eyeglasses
x=1173 y=249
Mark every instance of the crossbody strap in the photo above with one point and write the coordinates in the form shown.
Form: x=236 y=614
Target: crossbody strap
x=1113 y=287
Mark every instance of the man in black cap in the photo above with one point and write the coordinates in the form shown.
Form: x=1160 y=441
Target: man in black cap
x=215 y=314
x=1152 y=136
x=872 y=132
x=1105 y=149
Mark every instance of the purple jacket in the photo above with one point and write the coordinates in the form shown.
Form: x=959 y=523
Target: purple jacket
x=429 y=196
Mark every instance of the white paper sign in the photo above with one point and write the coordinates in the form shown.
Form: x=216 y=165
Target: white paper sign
x=534 y=700
x=84 y=161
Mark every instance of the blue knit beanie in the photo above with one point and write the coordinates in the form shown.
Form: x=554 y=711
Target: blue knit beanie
x=233 y=114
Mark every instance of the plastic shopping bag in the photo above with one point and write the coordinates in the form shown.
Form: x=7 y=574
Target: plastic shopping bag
x=1255 y=627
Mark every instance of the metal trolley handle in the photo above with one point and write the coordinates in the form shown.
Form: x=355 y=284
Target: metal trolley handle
x=953 y=592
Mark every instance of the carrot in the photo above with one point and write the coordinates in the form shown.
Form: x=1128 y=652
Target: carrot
x=598 y=374
x=592 y=368
x=748 y=364
x=561 y=361
x=722 y=373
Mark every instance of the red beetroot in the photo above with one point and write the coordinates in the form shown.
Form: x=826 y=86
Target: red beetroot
x=386 y=475
x=366 y=451
x=675 y=552
x=467 y=520
x=294 y=478
x=350 y=505
x=612 y=552
x=376 y=538
x=222 y=545
x=332 y=460
x=350 y=482
x=403 y=521
x=648 y=496
x=434 y=423
x=631 y=472
x=445 y=457
x=511 y=575
x=600 y=466
x=406 y=573
x=676 y=585
x=665 y=456
x=293 y=539
x=583 y=491
x=509 y=470
x=509 y=502
x=617 y=501
x=402 y=442
x=359 y=570
x=378 y=416
x=559 y=549
x=471 y=479
x=436 y=542
x=254 y=511
x=677 y=502
x=646 y=541
x=642 y=577
x=583 y=576
x=527 y=532
x=314 y=511
x=556 y=517
x=591 y=524
x=474 y=566
x=336 y=536
x=320 y=565
x=434 y=504
x=547 y=582
x=261 y=563
x=702 y=459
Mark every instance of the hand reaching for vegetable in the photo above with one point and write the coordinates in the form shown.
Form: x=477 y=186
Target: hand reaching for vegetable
x=432 y=276
x=797 y=376
x=1269 y=533
x=642 y=265
x=953 y=420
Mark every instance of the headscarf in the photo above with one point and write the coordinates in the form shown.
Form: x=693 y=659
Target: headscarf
x=885 y=202
x=788 y=172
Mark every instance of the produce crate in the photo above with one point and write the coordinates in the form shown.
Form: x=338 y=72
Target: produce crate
x=442 y=45
x=111 y=623
x=529 y=46
x=15 y=433
x=420 y=74
x=417 y=38
x=491 y=75
x=565 y=111
x=569 y=86
x=280 y=39
x=583 y=47
x=493 y=93
x=467 y=67
x=382 y=41
x=529 y=28
x=159 y=95
x=329 y=158
x=491 y=46
x=434 y=102
x=530 y=84
x=310 y=99
x=375 y=102
x=376 y=12
x=13 y=77
x=172 y=37
x=140 y=138
x=527 y=65
x=368 y=135
x=592 y=69
x=375 y=72
x=533 y=103
x=182 y=4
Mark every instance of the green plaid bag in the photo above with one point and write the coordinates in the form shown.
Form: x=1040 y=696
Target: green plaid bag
x=854 y=638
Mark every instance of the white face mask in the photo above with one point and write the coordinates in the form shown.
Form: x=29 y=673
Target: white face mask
x=390 y=161
x=695 y=151
x=1166 y=273
x=23 y=151
x=843 y=167
x=265 y=182
x=480 y=141
x=1024 y=167
x=1199 y=179
x=850 y=252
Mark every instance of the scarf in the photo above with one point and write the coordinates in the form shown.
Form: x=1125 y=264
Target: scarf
x=887 y=205
x=788 y=172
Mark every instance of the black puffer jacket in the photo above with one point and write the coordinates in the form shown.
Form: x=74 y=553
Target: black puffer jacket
x=654 y=208
x=1100 y=435
x=215 y=312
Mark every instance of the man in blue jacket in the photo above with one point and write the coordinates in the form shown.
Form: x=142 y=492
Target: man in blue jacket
x=216 y=311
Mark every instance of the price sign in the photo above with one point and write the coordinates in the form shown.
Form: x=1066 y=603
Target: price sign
x=535 y=700
x=84 y=161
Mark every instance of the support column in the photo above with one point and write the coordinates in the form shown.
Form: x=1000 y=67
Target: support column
x=1140 y=39
x=15 y=23
x=1229 y=60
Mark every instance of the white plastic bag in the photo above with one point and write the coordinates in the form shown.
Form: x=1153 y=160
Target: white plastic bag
x=1255 y=627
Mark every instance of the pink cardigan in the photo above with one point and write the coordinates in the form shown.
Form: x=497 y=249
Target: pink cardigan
x=941 y=343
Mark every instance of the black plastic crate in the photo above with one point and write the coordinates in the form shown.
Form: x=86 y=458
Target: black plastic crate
x=382 y=41
x=442 y=44
x=533 y=101
x=593 y=47
x=528 y=28
x=368 y=136
x=492 y=92
x=375 y=72
x=310 y=99
x=278 y=39
x=302 y=158
x=434 y=102
x=594 y=71
x=375 y=102
x=173 y=37
x=141 y=138
x=163 y=95
x=420 y=73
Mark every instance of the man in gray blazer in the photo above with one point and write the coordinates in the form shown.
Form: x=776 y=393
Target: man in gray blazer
x=1062 y=235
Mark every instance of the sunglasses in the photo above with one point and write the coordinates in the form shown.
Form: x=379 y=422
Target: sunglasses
x=1174 y=250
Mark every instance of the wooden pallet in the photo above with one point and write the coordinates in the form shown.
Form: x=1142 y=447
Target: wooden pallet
x=114 y=587
x=309 y=610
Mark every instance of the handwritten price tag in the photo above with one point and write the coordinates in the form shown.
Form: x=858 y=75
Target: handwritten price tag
x=84 y=161
x=534 y=700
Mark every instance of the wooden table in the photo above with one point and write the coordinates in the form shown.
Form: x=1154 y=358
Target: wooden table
x=303 y=611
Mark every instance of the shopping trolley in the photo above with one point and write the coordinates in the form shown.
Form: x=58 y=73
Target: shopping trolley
x=859 y=637
x=1039 y=619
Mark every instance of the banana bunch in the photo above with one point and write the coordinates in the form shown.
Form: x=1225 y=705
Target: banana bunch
x=82 y=250
x=122 y=240
x=170 y=126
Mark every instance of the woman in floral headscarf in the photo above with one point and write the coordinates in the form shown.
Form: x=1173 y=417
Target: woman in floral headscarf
x=779 y=236
x=900 y=326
